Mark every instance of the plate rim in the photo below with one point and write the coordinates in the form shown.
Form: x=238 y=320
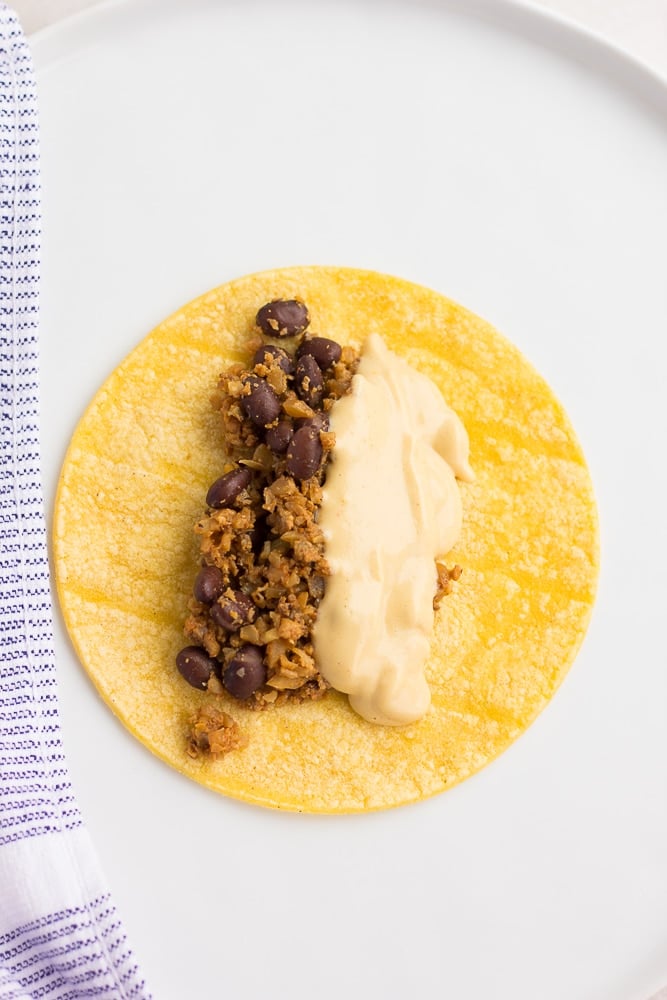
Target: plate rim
x=533 y=13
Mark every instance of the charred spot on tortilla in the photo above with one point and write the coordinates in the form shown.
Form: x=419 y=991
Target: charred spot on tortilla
x=148 y=454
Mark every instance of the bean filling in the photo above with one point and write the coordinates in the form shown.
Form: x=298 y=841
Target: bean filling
x=304 y=453
x=262 y=567
x=269 y=354
x=195 y=666
x=233 y=610
x=225 y=490
x=261 y=404
x=309 y=382
x=245 y=672
x=279 y=436
x=209 y=584
x=326 y=352
x=283 y=318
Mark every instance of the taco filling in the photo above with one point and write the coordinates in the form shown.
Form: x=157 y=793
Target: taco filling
x=319 y=547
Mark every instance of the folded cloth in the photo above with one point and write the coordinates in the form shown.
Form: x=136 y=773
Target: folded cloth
x=60 y=936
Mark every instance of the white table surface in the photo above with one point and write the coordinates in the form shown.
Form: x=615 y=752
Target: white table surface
x=637 y=26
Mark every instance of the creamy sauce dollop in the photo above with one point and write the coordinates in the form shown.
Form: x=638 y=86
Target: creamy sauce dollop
x=391 y=505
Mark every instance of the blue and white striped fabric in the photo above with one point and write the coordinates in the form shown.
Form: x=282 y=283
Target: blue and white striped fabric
x=60 y=936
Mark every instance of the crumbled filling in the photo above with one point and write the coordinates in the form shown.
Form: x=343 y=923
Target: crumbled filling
x=262 y=567
x=213 y=731
x=445 y=578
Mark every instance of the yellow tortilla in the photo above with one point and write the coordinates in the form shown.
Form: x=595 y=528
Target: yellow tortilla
x=134 y=482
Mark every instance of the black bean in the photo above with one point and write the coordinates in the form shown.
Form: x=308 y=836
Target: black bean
x=309 y=383
x=278 y=437
x=262 y=405
x=196 y=666
x=304 y=453
x=319 y=421
x=225 y=490
x=316 y=587
x=283 y=318
x=267 y=352
x=209 y=584
x=258 y=533
x=326 y=352
x=233 y=612
x=245 y=673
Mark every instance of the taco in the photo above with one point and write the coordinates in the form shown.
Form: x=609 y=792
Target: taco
x=138 y=474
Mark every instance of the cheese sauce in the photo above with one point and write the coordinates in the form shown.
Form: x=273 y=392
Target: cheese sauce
x=391 y=506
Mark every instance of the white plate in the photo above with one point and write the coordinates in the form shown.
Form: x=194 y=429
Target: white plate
x=519 y=167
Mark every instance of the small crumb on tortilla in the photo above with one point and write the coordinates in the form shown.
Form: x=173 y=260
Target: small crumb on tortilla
x=215 y=732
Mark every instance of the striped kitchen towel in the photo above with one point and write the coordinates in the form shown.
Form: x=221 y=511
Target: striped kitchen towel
x=60 y=936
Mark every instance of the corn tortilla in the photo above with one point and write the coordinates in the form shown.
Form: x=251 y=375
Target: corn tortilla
x=133 y=484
